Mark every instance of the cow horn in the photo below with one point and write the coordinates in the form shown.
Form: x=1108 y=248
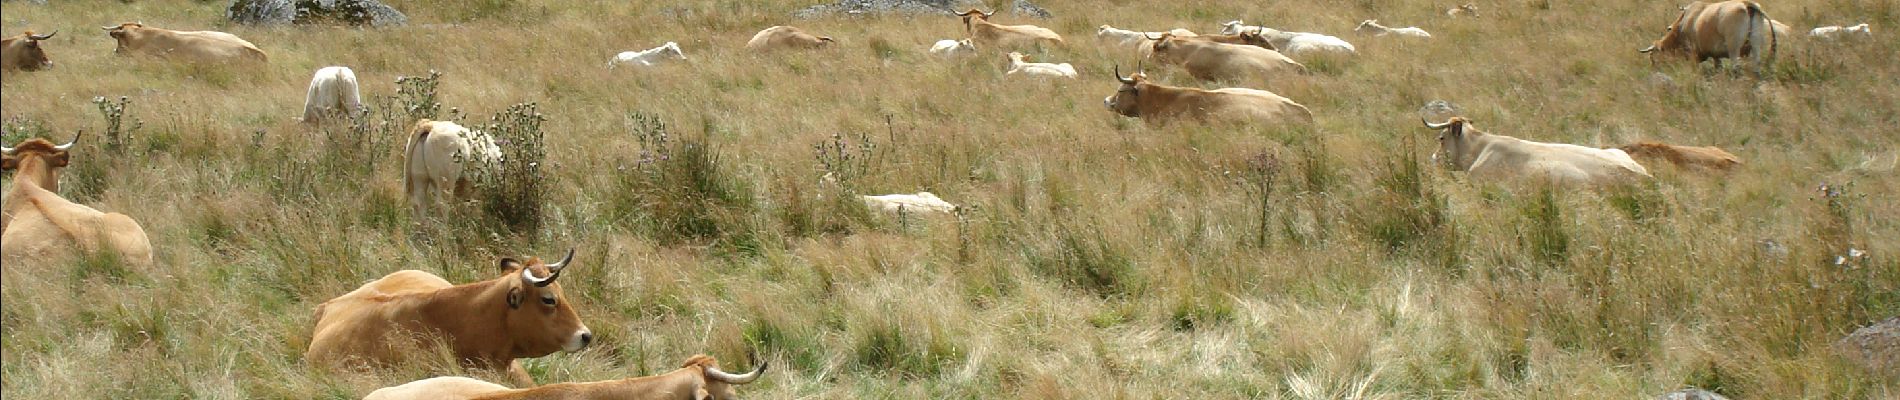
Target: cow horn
x=69 y=143
x=107 y=28
x=5 y=150
x=1146 y=35
x=43 y=37
x=554 y=271
x=1646 y=50
x=1430 y=125
x=728 y=377
x=1119 y=77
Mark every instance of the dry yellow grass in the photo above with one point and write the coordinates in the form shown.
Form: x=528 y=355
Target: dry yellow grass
x=1107 y=258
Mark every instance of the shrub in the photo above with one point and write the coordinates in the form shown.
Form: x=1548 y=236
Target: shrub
x=512 y=191
x=678 y=188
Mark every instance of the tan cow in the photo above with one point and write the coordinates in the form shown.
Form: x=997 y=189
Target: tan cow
x=991 y=35
x=1142 y=99
x=37 y=224
x=23 y=52
x=1487 y=157
x=1734 y=29
x=196 y=46
x=786 y=37
x=440 y=158
x=1213 y=61
x=699 y=378
x=486 y=324
x=1693 y=157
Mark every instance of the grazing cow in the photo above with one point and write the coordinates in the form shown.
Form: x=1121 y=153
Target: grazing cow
x=1017 y=64
x=37 y=224
x=786 y=37
x=1734 y=29
x=1142 y=99
x=990 y=35
x=196 y=46
x=1829 y=32
x=953 y=48
x=333 y=94
x=909 y=203
x=486 y=324
x=1703 y=157
x=699 y=378
x=1463 y=10
x=1213 y=61
x=1485 y=156
x=1371 y=26
x=648 y=57
x=23 y=52
x=440 y=157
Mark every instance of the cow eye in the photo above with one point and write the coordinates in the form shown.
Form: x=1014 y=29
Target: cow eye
x=547 y=300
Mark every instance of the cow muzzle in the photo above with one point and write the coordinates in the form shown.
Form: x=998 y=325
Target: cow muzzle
x=579 y=341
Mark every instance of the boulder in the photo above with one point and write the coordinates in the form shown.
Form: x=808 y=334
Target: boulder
x=344 y=12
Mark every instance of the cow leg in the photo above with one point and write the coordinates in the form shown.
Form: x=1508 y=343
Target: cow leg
x=520 y=375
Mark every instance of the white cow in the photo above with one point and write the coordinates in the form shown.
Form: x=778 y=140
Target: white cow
x=1372 y=26
x=1830 y=32
x=952 y=48
x=908 y=203
x=1291 y=42
x=648 y=57
x=333 y=94
x=1018 y=65
x=1235 y=27
x=438 y=158
x=1484 y=156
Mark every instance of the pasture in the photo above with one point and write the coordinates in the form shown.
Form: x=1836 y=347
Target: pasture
x=1097 y=256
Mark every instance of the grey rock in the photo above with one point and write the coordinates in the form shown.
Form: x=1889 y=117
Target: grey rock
x=346 y=12
x=1875 y=347
x=1691 y=394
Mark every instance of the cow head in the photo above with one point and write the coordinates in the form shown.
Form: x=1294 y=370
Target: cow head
x=1231 y=27
x=718 y=384
x=1126 y=98
x=1016 y=57
x=1672 y=39
x=672 y=50
x=123 y=33
x=23 y=52
x=1453 y=139
x=539 y=319
x=1253 y=37
x=973 y=16
x=37 y=160
x=1161 y=46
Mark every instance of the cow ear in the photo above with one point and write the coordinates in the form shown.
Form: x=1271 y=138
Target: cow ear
x=701 y=394
x=63 y=159
x=509 y=264
x=514 y=297
x=9 y=162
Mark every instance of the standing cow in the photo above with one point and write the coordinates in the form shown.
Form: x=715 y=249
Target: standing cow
x=23 y=52
x=1734 y=29
x=333 y=95
x=195 y=46
x=441 y=157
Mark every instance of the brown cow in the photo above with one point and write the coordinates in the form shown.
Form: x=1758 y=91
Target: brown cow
x=37 y=224
x=786 y=37
x=1730 y=29
x=196 y=46
x=1702 y=157
x=23 y=52
x=1212 y=61
x=1142 y=99
x=486 y=324
x=991 y=35
x=699 y=378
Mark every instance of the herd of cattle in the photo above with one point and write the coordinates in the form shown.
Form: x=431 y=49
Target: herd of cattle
x=522 y=313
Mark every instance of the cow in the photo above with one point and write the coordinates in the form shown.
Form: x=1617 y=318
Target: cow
x=648 y=57
x=1291 y=42
x=37 y=224
x=333 y=93
x=1831 y=32
x=23 y=52
x=952 y=48
x=786 y=37
x=908 y=203
x=194 y=46
x=1463 y=10
x=1211 y=61
x=1487 y=157
x=1251 y=38
x=1734 y=29
x=1372 y=27
x=1692 y=157
x=1019 y=65
x=991 y=35
x=441 y=156
x=699 y=378
x=487 y=324
x=1140 y=98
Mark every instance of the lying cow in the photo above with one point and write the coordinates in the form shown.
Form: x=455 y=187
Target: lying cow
x=699 y=378
x=37 y=224
x=23 y=52
x=1142 y=99
x=908 y=203
x=1372 y=27
x=196 y=46
x=1692 y=157
x=1734 y=29
x=333 y=95
x=953 y=48
x=440 y=157
x=1487 y=157
x=1018 y=64
x=1463 y=10
x=786 y=37
x=1212 y=61
x=991 y=35
x=1830 y=32
x=1291 y=42
x=648 y=57
x=488 y=324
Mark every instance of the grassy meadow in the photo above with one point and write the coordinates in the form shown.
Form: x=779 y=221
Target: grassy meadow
x=1100 y=257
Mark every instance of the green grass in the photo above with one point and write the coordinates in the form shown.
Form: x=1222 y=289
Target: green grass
x=1098 y=256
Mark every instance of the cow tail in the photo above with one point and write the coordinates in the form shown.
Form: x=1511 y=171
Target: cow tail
x=411 y=152
x=1756 y=14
